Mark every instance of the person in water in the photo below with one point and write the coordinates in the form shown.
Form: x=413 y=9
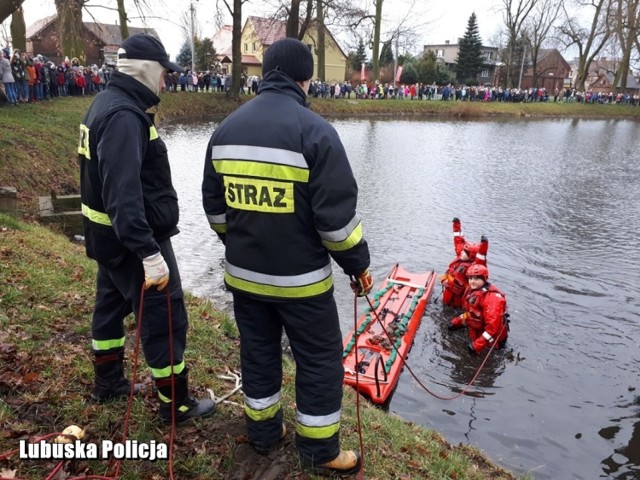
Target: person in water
x=485 y=312
x=454 y=281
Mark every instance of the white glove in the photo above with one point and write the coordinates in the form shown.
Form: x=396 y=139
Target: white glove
x=156 y=271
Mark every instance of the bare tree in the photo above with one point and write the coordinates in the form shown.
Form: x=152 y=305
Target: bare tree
x=514 y=15
x=538 y=27
x=236 y=47
x=626 y=25
x=18 y=30
x=70 y=28
x=588 y=40
x=7 y=7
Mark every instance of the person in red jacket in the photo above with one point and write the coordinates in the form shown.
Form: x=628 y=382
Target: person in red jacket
x=454 y=281
x=485 y=312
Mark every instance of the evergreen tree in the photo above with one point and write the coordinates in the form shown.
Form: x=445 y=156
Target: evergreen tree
x=184 y=56
x=409 y=74
x=469 y=62
x=386 y=55
x=359 y=58
x=205 y=54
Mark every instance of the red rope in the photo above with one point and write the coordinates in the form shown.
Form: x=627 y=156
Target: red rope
x=424 y=387
x=355 y=333
x=125 y=427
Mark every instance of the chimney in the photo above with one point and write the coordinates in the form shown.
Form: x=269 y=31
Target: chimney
x=446 y=42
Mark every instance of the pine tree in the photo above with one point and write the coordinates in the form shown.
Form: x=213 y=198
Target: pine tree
x=360 y=57
x=386 y=55
x=469 y=62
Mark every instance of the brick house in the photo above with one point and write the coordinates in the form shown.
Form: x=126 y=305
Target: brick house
x=101 y=41
x=552 y=71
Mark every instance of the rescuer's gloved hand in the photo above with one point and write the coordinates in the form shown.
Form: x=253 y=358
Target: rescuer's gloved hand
x=156 y=271
x=471 y=348
x=458 y=322
x=362 y=283
x=445 y=277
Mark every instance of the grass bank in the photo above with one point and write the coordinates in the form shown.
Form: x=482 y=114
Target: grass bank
x=46 y=298
x=38 y=142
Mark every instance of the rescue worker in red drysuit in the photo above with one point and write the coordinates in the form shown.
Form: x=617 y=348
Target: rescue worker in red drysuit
x=454 y=281
x=485 y=312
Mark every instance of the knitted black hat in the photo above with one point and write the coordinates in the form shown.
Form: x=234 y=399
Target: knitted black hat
x=145 y=47
x=291 y=57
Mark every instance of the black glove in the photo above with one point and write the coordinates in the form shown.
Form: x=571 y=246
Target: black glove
x=472 y=351
x=484 y=238
x=451 y=327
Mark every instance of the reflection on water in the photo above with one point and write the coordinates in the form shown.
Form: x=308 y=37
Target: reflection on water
x=560 y=203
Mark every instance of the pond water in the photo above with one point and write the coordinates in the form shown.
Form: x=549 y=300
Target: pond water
x=560 y=203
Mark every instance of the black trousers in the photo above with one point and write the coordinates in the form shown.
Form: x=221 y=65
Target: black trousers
x=118 y=295
x=313 y=329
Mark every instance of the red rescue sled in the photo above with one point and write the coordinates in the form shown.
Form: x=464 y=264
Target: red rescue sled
x=399 y=305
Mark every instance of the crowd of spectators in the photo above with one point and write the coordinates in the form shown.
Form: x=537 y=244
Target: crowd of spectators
x=26 y=79
x=480 y=93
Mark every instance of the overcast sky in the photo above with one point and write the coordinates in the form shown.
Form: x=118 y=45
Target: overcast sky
x=437 y=20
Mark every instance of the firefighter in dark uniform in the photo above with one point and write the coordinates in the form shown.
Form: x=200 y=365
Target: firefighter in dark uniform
x=279 y=192
x=130 y=212
x=454 y=280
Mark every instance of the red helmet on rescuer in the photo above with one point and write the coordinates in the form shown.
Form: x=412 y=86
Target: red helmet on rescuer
x=476 y=270
x=471 y=249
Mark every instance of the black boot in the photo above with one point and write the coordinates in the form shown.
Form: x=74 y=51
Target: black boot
x=110 y=382
x=186 y=406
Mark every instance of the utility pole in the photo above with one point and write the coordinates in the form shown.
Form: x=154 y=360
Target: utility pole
x=193 y=51
x=395 y=66
x=524 y=54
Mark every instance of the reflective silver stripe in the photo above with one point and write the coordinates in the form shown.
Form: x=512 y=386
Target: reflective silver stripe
x=278 y=156
x=487 y=337
x=222 y=218
x=342 y=233
x=480 y=256
x=318 y=420
x=262 y=403
x=457 y=234
x=280 y=280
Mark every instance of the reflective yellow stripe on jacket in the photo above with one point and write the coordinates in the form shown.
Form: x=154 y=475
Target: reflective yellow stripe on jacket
x=344 y=238
x=286 y=286
x=96 y=216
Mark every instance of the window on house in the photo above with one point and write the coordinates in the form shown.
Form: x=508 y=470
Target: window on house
x=485 y=73
x=439 y=53
x=488 y=55
x=246 y=47
x=254 y=46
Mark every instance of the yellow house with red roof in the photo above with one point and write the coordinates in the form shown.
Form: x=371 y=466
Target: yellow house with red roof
x=259 y=33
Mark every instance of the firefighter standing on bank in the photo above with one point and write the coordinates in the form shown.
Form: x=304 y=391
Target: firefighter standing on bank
x=130 y=213
x=279 y=192
x=454 y=280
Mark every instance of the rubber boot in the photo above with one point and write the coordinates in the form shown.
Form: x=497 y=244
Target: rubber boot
x=110 y=382
x=186 y=406
x=347 y=463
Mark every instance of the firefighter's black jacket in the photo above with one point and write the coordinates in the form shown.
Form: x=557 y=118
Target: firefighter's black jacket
x=279 y=190
x=128 y=199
